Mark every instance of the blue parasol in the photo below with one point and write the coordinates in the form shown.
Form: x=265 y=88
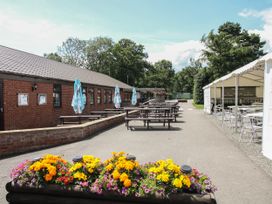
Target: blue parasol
x=134 y=97
x=79 y=99
x=117 y=98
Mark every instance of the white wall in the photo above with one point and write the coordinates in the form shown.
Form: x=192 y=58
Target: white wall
x=267 y=120
x=259 y=91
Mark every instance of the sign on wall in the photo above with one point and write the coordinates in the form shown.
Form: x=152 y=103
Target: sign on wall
x=23 y=99
x=42 y=99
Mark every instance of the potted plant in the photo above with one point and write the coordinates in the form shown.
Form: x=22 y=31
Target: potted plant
x=121 y=179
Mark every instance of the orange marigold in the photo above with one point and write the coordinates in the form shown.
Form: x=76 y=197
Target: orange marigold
x=127 y=183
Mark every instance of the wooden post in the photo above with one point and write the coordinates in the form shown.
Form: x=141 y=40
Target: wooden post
x=236 y=101
x=223 y=102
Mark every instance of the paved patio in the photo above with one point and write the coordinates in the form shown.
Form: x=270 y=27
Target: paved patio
x=194 y=140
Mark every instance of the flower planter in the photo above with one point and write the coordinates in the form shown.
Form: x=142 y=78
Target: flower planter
x=55 y=194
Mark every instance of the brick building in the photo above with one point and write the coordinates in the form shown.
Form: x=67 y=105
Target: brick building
x=35 y=91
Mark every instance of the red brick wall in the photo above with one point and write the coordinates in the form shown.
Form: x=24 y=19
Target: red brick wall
x=20 y=141
x=34 y=115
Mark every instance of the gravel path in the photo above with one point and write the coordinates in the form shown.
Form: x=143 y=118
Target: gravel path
x=194 y=140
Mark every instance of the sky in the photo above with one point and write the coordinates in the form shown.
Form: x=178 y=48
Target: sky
x=169 y=29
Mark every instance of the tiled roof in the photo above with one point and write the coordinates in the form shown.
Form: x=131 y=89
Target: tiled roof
x=23 y=63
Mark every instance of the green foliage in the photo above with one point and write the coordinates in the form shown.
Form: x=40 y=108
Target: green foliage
x=161 y=75
x=230 y=48
x=100 y=58
x=131 y=61
x=201 y=80
x=53 y=56
x=184 y=80
x=73 y=51
x=198 y=106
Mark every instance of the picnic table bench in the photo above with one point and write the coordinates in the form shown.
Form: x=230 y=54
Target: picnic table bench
x=114 y=109
x=78 y=118
x=106 y=113
x=149 y=115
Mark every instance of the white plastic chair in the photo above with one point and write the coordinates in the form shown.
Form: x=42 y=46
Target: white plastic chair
x=250 y=128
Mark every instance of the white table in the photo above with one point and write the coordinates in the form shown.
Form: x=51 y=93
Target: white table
x=255 y=115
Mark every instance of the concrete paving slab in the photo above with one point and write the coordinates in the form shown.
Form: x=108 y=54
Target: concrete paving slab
x=194 y=140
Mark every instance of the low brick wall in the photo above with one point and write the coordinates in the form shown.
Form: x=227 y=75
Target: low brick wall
x=20 y=141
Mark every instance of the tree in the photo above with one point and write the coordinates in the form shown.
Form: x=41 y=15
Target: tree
x=230 y=48
x=73 y=51
x=201 y=79
x=53 y=56
x=161 y=75
x=131 y=61
x=100 y=56
x=184 y=80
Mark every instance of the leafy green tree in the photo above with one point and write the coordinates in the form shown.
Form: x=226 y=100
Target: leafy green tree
x=73 y=51
x=184 y=80
x=53 y=56
x=201 y=79
x=131 y=61
x=100 y=56
x=230 y=48
x=161 y=75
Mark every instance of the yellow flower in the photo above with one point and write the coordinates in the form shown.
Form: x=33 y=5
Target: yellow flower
x=109 y=167
x=129 y=165
x=87 y=158
x=187 y=181
x=123 y=177
x=120 y=165
x=163 y=177
x=116 y=174
x=127 y=183
x=36 y=166
x=177 y=183
x=80 y=176
x=122 y=158
x=75 y=167
x=48 y=177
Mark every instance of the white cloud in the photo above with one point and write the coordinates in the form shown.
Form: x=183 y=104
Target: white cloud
x=266 y=31
x=178 y=53
x=34 y=35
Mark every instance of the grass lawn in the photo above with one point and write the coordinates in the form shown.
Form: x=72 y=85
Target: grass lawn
x=198 y=106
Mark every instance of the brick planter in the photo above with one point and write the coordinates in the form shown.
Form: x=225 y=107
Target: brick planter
x=54 y=194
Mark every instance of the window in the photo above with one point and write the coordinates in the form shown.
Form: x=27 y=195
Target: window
x=42 y=99
x=84 y=93
x=242 y=92
x=98 y=96
x=105 y=96
x=91 y=93
x=110 y=96
x=23 y=99
x=126 y=97
x=57 y=95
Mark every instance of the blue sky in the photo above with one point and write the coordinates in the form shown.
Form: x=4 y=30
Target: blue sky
x=169 y=29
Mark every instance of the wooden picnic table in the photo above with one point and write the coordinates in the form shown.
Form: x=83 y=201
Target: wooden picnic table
x=78 y=118
x=149 y=115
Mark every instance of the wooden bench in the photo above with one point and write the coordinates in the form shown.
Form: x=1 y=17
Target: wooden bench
x=150 y=120
x=78 y=118
x=106 y=113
